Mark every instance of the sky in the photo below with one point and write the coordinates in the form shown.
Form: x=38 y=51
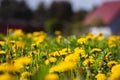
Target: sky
x=76 y=4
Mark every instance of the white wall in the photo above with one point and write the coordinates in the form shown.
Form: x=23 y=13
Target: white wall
x=104 y=29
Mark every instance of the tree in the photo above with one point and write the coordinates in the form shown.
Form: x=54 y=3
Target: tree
x=15 y=9
x=22 y=11
x=40 y=14
x=61 y=10
x=80 y=15
x=7 y=8
x=52 y=25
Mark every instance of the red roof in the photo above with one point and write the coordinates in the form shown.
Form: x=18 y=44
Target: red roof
x=106 y=12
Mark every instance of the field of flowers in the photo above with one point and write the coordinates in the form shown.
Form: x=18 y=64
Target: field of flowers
x=37 y=56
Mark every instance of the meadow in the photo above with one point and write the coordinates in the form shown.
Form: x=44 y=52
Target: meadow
x=38 y=56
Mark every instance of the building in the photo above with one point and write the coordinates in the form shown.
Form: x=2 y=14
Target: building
x=108 y=13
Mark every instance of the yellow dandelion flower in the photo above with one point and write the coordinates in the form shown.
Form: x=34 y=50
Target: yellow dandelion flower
x=2 y=52
x=12 y=42
x=111 y=44
x=18 y=32
x=100 y=38
x=19 y=44
x=2 y=43
x=39 y=37
x=72 y=58
x=56 y=53
x=107 y=55
x=80 y=52
x=2 y=68
x=57 y=32
x=25 y=75
x=63 y=66
x=95 y=50
x=101 y=76
x=65 y=51
x=52 y=59
x=115 y=68
x=110 y=64
x=100 y=34
x=11 y=67
x=58 y=38
x=51 y=77
x=82 y=40
x=115 y=72
x=24 y=60
x=8 y=77
x=36 y=33
x=29 y=35
x=90 y=36
x=112 y=38
x=115 y=76
x=47 y=62
x=19 y=67
x=33 y=46
x=89 y=60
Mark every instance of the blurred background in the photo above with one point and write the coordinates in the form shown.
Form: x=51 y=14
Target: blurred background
x=69 y=16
